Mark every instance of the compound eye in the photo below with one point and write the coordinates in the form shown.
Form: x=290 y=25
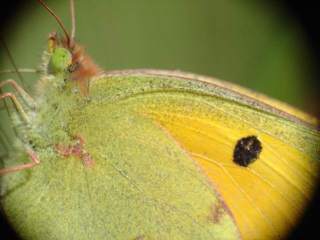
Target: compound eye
x=60 y=60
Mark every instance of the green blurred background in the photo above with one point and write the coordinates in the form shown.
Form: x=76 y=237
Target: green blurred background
x=250 y=42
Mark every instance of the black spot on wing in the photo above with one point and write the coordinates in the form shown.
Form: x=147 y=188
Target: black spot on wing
x=247 y=150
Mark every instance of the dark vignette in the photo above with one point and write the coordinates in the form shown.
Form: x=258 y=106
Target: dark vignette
x=306 y=13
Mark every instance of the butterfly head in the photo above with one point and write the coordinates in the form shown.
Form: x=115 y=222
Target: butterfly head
x=60 y=56
x=67 y=57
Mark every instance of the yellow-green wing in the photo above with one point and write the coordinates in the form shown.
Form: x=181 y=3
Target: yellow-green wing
x=142 y=184
x=206 y=118
x=162 y=144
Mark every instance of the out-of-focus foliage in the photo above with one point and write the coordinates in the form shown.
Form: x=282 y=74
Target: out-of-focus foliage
x=252 y=43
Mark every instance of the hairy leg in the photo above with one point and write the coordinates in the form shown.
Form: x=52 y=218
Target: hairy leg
x=34 y=161
x=33 y=156
x=25 y=96
x=16 y=104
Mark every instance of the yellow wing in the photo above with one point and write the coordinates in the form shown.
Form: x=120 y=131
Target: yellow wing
x=267 y=197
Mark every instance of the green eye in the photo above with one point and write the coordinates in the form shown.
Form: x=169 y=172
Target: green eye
x=60 y=60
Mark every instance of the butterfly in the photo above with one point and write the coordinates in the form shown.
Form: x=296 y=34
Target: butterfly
x=153 y=154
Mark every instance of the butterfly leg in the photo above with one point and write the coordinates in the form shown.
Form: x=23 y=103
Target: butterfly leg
x=34 y=161
x=25 y=96
x=4 y=145
x=16 y=104
x=33 y=156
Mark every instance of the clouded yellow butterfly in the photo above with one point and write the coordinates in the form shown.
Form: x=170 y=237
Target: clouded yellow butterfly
x=149 y=154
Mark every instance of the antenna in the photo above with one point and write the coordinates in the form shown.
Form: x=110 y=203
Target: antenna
x=57 y=19
x=73 y=22
x=16 y=70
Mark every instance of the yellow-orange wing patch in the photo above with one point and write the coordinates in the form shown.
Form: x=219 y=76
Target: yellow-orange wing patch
x=267 y=197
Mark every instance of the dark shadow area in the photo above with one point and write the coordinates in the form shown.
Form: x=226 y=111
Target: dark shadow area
x=8 y=11
x=306 y=12
x=6 y=231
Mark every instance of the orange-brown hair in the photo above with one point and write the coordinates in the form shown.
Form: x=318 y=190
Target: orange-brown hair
x=83 y=68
